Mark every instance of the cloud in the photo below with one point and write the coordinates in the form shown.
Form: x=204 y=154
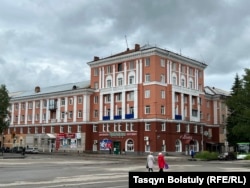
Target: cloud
x=47 y=43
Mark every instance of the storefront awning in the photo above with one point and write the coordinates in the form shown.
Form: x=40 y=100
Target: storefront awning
x=48 y=135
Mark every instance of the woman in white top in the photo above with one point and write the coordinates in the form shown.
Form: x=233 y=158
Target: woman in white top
x=150 y=162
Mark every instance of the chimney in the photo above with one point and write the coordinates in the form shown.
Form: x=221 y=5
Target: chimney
x=137 y=47
x=37 y=89
x=96 y=58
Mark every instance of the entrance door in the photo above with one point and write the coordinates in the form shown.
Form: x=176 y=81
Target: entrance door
x=117 y=147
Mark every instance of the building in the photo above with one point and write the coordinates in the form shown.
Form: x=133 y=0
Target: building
x=143 y=99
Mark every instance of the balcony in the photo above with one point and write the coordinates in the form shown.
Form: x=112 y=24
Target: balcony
x=118 y=117
x=106 y=118
x=178 y=117
x=129 y=116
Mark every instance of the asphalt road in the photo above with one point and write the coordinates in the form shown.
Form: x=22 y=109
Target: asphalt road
x=46 y=171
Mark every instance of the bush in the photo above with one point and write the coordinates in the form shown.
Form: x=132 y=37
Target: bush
x=247 y=157
x=206 y=155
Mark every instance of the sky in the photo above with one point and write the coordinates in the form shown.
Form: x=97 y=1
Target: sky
x=49 y=42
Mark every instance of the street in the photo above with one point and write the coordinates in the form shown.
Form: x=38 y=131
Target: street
x=45 y=171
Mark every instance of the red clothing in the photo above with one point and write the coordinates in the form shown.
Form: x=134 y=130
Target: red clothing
x=161 y=161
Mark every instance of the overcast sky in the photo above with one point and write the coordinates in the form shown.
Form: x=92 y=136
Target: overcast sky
x=48 y=42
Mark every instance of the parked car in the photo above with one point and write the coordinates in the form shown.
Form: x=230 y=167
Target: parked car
x=227 y=156
x=16 y=149
x=32 y=150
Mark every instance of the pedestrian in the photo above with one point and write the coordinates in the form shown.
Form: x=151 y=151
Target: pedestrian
x=192 y=153
x=161 y=162
x=150 y=162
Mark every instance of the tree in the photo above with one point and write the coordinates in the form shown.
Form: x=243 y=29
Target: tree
x=238 y=122
x=4 y=105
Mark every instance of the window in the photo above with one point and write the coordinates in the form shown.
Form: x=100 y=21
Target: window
x=70 y=115
x=178 y=128
x=79 y=99
x=79 y=114
x=37 y=103
x=61 y=129
x=95 y=113
x=162 y=63
x=187 y=128
x=96 y=85
x=44 y=103
x=163 y=96
x=147 y=109
x=108 y=112
x=30 y=105
x=162 y=78
x=94 y=128
x=29 y=130
x=71 y=100
x=96 y=99
x=52 y=129
x=147 y=62
x=130 y=145
x=119 y=67
x=119 y=97
x=109 y=69
x=62 y=101
x=37 y=117
x=183 y=82
x=119 y=112
x=129 y=127
x=163 y=110
x=131 y=79
x=62 y=115
x=107 y=98
x=115 y=127
x=178 y=146
x=69 y=129
x=147 y=77
x=147 y=93
x=29 y=117
x=131 y=65
x=147 y=126
x=21 y=130
x=16 y=106
x=103 y=127
x=79 y=128
x=174 y=66
x=22 y=117
x=130 y=96
x=174 y=81
x=191 y=84
x=108 y=83
x=95 y=71
x=131 y=110
x=120 y=80
x=23 y=106
x=183 y=69
x=195 y=129
x=163 y=126
x=43 y=129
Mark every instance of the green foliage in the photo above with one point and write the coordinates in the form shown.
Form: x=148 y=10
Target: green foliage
x=206 y=155
x=4 y=104
x=238 y=122
x=247 y=157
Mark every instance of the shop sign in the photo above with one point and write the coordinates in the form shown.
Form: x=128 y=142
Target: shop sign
x=186 y=137
x=70 y=135
x=117 y=134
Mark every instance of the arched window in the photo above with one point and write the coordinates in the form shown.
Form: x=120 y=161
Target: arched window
x=129 y=145
x=178 y=147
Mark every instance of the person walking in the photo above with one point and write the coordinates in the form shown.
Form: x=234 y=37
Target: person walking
x=161 y=162
x=150 y=162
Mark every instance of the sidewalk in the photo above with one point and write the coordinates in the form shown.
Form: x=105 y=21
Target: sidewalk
x=92 y=155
